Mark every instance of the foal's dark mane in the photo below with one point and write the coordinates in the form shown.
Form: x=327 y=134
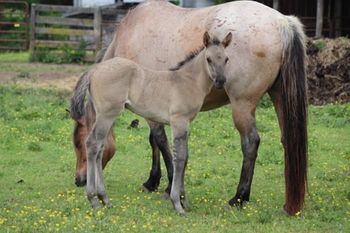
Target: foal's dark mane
x=188 y=58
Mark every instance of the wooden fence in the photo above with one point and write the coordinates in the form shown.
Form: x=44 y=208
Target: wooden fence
x=55 y=27
x=14 y=23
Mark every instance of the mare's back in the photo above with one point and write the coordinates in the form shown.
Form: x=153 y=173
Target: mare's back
x=158 y=34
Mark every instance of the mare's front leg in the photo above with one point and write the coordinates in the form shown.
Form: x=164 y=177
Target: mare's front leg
x=180 y=151
x=95 y=185
x=244 y=119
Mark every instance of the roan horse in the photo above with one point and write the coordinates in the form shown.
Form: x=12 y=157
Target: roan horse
x=119 y=83
x=269 y=56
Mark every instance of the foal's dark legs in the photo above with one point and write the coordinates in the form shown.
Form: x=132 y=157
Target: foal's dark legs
x=245 y=123
x=159 y=143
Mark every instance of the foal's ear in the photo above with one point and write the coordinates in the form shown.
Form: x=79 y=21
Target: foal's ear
x=226 y=42
x=206 y=39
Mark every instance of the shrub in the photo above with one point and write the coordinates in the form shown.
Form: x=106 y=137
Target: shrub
x=64 y=55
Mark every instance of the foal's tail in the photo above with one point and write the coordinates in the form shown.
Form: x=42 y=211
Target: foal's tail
x=78 y=98
x=294 y=104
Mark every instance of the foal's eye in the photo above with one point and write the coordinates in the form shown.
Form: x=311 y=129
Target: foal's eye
x=226 y=60
x=208 y=60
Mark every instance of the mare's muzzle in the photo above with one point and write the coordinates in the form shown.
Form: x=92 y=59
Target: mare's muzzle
x=80 y=181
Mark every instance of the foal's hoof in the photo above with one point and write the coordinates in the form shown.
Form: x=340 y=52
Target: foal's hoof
x=95 y=204
x=180 y=205
x=180 y=210
x=109 y=205
x=184 y=202
x=165 y=196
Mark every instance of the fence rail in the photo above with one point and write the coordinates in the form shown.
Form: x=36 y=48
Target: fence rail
x=60 y=26
x=14 y=31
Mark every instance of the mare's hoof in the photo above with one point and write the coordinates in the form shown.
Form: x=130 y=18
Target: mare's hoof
x=237 y=202
x=149 y=188
x=284 y=212
x=145 y=189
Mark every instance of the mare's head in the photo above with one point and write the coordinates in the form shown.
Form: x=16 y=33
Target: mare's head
x=81 y=132
x=79 y=136
x=216 y=58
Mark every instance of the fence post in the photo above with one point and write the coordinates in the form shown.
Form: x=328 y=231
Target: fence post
x=32 y=31
x=319 y=18
x=97 y=28
x=276 y=5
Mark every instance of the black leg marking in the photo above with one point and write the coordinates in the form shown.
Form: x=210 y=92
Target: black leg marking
x=155 y=174
x=249 y=144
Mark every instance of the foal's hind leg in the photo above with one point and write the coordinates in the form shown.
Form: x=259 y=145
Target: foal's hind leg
x=95 y=184
x=244 y=119
x=180 y=148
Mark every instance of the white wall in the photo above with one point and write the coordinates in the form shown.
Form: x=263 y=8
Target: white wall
x=92 y=3
x=197 y=3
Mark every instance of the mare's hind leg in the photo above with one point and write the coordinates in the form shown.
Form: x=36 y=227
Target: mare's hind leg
x=95 y=184
x=244 y=119
x=159 y=143
x=155 y=174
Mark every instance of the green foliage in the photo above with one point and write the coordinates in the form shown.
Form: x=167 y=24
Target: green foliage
x=265 y=102
x=37 y=170
x=320 y=44
x=60 y=56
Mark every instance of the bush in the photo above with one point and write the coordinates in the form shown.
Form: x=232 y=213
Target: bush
x=64 y=55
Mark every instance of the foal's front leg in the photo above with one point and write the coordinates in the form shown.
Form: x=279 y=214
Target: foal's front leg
x=180 y=148
x=95 y=184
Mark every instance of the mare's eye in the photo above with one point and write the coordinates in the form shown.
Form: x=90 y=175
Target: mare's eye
x=226 y=60
x=208 y=60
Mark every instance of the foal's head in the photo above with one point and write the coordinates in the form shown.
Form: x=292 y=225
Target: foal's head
x=216 y=58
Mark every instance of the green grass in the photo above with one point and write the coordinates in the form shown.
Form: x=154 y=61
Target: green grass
x=37 y=172
x=14 y=57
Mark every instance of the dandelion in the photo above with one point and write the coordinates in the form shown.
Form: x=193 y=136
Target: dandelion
x=2 y=220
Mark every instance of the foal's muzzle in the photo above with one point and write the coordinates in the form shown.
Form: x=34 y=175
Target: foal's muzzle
x=80 y=181
x=219 y=82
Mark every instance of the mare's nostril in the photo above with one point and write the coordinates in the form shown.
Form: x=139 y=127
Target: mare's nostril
x=80 y=181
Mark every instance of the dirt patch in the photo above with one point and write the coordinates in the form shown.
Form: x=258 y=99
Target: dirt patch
x=41 y=75
x=328 y=71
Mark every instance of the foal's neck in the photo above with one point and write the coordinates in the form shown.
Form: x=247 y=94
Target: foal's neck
x=196 y=70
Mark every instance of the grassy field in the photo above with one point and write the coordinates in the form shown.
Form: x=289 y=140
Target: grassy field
x=37 y=172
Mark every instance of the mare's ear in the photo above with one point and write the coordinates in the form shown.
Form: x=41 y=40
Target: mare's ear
x=226 y=42
x=206 y=39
